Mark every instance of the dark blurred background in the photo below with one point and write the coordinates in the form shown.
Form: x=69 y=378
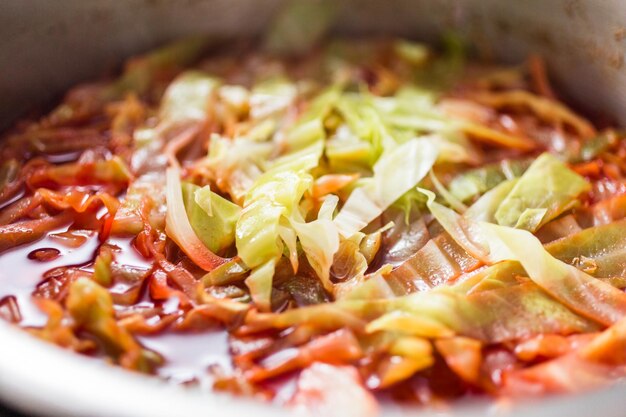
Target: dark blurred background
x=6 y=412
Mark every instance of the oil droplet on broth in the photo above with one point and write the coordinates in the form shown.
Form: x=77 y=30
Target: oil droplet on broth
x=20 y=274
x=188 y=356
x=44 y=254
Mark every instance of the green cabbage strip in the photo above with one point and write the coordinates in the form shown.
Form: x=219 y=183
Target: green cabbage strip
x=310 y=126
x=574 y=288
x=259 y=283
x=397 y=171
x=475 y=182
x=547 y=189
x=495 y=316
x=600 y=251
x=491 y=316
x=579 y=291
x=91 y=307
x=365 y=122
x=211 y=216
x=271 y=215
x=274 y=196
x=179 y=229
x=184 y=104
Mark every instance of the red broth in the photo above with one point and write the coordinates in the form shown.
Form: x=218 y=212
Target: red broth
x=250 y=301
x=20 y=274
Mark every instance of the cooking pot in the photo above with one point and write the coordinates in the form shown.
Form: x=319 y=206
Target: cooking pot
x=48 y=46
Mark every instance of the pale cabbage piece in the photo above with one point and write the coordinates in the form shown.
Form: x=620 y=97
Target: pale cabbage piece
x=452 y=201
x=310 y=125
x=202 y=196
x=547 y=189
x=257 y=232
x=271 y=97
x=275 y=194
x=388 y=184
x=346 y=152
x=235 y=164
x=290 y=239
x=269 y=204
x=484 y=209
x=366 y=123
x=320 y=240
x=260 y=284
x=187 y=99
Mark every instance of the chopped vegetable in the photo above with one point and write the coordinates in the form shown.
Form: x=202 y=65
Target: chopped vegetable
x=212 y=217
x=91 y=307
x=326 y=220
x=388 y=184
x=179 y=228
x=547 y=189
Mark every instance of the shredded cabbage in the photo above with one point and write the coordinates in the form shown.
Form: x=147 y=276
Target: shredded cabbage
x=187 y=99
x=387 y=185
x=180 y=230
x=371 y=206
x=320 y=239
x=211 y=216
x=547 y=189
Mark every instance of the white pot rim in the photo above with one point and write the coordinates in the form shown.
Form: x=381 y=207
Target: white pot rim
x=42 y=379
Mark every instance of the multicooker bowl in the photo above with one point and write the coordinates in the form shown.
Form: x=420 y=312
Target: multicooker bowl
x=47 y=46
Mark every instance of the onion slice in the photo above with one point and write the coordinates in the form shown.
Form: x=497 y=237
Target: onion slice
x=179 y=229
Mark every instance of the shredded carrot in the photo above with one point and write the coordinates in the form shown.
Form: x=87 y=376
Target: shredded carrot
x=588 y=169
x=181 y=140
x=548 y=110
x=539 y=77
